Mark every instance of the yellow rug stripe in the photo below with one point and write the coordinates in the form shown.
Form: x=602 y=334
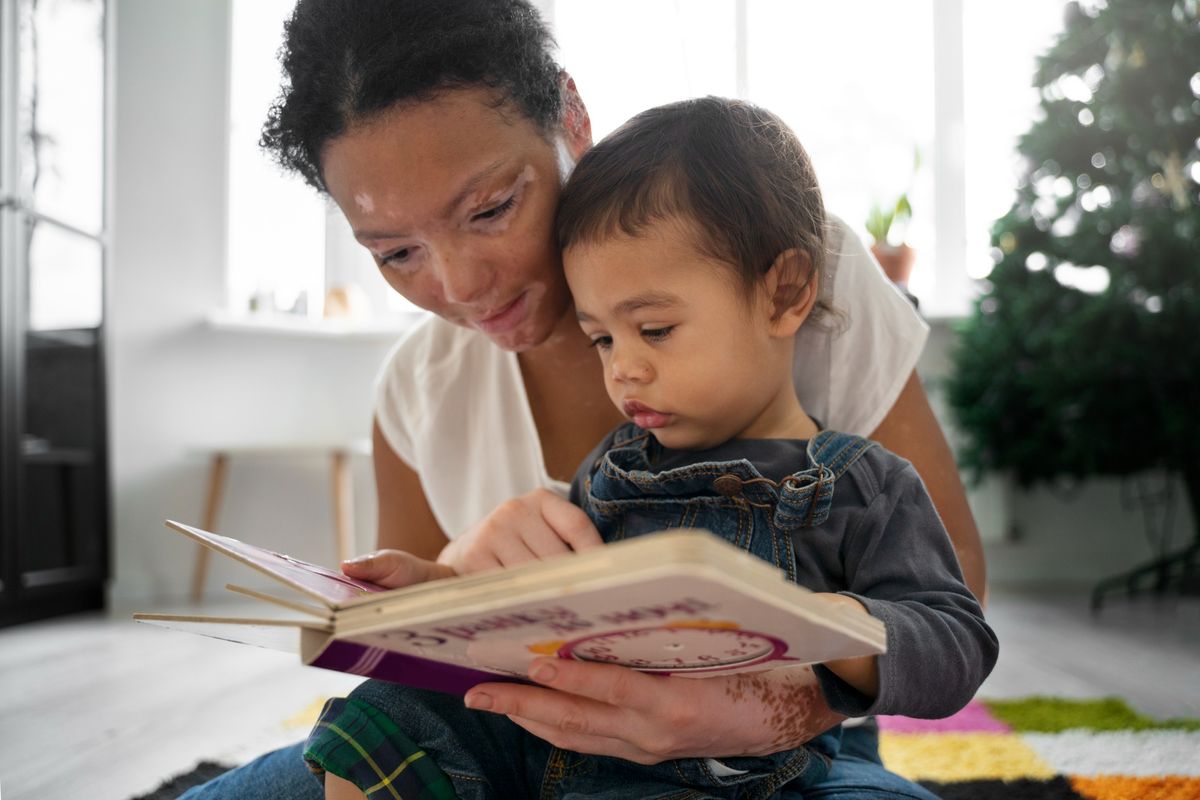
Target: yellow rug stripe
x=307 y=716
x=950 y=757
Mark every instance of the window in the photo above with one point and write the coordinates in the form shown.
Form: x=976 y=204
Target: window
x=864 y=85
x=1004 y=41
x=287 y=245
x=58 y=184
x=276 y=223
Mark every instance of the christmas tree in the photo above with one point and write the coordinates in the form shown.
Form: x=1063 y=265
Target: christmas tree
x=1082 y=355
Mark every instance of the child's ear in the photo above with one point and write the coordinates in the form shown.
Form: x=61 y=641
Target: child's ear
x=793 y=288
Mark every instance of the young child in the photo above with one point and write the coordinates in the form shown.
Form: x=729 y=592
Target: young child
x=693 y=240
x=693 y=243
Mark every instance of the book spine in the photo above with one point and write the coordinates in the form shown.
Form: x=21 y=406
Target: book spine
x=419 y=673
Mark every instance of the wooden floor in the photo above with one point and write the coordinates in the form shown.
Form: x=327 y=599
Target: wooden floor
x=100 y=707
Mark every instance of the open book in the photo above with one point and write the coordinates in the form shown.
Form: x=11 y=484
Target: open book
x=681 y=602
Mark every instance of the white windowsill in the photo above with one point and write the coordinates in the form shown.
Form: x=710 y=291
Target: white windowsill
x=305 y=327
x=938 y=311
x=942 y=316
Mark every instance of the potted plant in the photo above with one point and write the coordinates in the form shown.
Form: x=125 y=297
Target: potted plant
x=896 y=259
x=887 y=225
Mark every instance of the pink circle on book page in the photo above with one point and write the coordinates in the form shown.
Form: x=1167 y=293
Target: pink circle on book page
x=677 y=649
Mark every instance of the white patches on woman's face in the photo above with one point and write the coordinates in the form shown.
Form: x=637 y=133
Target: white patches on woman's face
x=365 y=203
x=566 y=161
x=502 y=206
x=467 y=201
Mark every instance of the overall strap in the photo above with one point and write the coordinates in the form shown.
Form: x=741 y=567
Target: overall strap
x=805 y=497
x=837 y=451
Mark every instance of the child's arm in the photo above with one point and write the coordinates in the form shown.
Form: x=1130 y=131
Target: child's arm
x=863 y=672
x=900 y=566
x=912 y=431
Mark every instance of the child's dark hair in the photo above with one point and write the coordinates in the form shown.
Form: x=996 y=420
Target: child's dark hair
x=735 y=171
x=346 y=60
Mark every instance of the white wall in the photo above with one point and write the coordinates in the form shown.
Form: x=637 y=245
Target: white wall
x=177 y=385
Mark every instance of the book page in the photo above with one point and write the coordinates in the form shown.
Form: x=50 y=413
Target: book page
x=331 y=588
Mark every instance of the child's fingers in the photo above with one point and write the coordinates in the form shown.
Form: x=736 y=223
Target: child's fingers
x=395 y=568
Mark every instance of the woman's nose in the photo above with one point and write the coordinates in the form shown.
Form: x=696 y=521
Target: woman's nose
x=462 y=278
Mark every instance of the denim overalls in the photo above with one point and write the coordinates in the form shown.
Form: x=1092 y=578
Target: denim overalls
x=625 y=497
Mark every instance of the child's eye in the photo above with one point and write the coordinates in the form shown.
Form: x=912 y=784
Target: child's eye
x=496 y=211
x=602 y=342
x=657 y=334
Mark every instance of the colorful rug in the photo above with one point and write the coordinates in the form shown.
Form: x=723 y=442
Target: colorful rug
x=1037 y=748
x=1042 y=748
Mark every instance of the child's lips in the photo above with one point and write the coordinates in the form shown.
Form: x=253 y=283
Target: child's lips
x=644 y=416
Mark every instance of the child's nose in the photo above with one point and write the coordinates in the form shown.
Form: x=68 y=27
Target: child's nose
x=630 y=368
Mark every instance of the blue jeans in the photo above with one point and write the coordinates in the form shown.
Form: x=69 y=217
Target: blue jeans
x=277 y=775
x=855 y=774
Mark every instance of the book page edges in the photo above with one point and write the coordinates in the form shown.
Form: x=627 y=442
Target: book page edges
x=273 y=634
x=323 y=613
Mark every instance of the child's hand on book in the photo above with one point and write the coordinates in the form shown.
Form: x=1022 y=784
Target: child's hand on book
x=395 y=568
x=531 y=527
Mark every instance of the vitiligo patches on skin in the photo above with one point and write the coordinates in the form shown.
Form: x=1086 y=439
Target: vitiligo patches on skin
x=566 y=161
x=794 y=708
x=365 y=203
x=513 y=192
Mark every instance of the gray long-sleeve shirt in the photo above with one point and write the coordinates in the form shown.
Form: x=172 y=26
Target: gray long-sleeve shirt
x=883 y=544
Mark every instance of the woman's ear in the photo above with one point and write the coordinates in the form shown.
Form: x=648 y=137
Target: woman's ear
x=792 y=284
x=577 y=125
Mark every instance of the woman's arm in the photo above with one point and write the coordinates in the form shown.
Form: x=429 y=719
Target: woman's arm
x=912 y=431
x=405 y=520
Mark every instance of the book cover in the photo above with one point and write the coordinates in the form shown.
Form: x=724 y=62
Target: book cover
x=681 y=603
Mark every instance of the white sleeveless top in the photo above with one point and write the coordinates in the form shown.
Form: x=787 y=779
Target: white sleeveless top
x=453 y=406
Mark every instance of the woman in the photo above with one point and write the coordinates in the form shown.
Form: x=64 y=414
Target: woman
x=443 y=131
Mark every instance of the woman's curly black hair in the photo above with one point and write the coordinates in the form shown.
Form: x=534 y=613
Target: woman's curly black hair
x=346 y=60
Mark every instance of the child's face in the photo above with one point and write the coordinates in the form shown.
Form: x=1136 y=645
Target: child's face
x=686 y=354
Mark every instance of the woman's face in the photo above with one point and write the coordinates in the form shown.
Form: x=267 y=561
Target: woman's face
x=455 y=198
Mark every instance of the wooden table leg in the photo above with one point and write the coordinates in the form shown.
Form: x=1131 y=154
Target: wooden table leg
x=212 y=506
x=343 y=505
